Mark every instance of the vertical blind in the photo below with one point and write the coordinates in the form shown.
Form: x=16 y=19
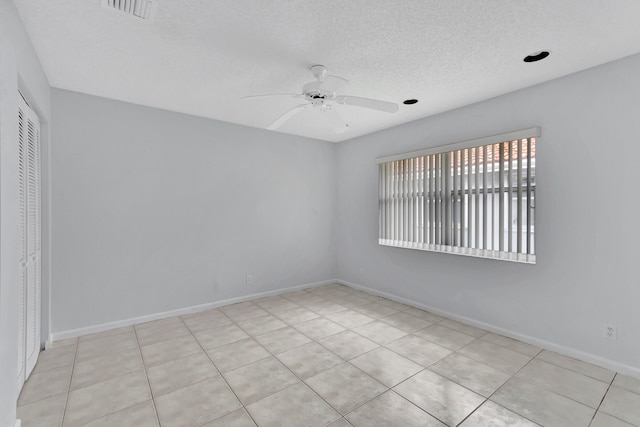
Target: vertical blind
x=473 y=198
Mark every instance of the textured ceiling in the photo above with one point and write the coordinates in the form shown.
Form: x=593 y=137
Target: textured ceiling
x=201 y=56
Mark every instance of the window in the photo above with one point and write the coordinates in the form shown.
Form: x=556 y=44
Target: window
x=473 y=198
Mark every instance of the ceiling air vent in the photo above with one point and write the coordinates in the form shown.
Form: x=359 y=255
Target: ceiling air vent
x=143 y=9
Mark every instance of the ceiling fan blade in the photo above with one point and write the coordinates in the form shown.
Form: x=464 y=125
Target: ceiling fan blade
x=332 y=83
x=374 y=104
x=292 y=95
x=334 y=120
x=286 y=116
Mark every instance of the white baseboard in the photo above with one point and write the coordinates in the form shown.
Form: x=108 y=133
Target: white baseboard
x=49 y=342
x=178 y=312
x=18 y=423
x=547 y=345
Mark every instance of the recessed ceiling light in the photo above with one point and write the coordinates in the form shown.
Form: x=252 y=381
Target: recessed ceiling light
x=536 y=56
x=409 y=101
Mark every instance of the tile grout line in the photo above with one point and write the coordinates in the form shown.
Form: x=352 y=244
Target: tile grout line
x=274 y=355
x=578 y=373
x=407 y=379
x=424 y=368
x=73 y=368
x=200 y=345
x=146 y=375
x=411 y=334
x=343 y=362
x=300 y=380
x=159 y=340
x=603 y=397
x=347 y=361
x=363 y=403
x=573 y=370
x=221 y=376
x=182 y=357
x=488 y=398
x=93 y=384
x=353 y=308
x=45 y=372
x=497 y=345
x=389 y=389
x=467 y=388
x=344 y=359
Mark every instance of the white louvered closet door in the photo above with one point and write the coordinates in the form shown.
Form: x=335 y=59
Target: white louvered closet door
x=22 y=188
x=29 y=195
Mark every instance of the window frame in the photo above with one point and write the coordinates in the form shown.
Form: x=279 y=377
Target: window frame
x=406 y=176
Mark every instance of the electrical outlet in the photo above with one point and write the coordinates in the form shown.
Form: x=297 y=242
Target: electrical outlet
x=249 y=279
x=610 y=332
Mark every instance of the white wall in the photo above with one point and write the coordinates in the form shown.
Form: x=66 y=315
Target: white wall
x=587 y=218
x=19 y=68
x=156 y=211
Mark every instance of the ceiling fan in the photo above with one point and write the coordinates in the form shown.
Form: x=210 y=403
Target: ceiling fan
x=321 y=95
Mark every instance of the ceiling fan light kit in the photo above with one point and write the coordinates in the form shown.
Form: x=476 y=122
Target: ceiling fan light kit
x=321 y=95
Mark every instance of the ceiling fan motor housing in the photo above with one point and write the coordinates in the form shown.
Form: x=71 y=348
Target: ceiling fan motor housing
x=312 y=88
x=319 y=72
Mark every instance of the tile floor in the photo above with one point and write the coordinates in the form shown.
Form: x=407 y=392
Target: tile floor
x=327 y=356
